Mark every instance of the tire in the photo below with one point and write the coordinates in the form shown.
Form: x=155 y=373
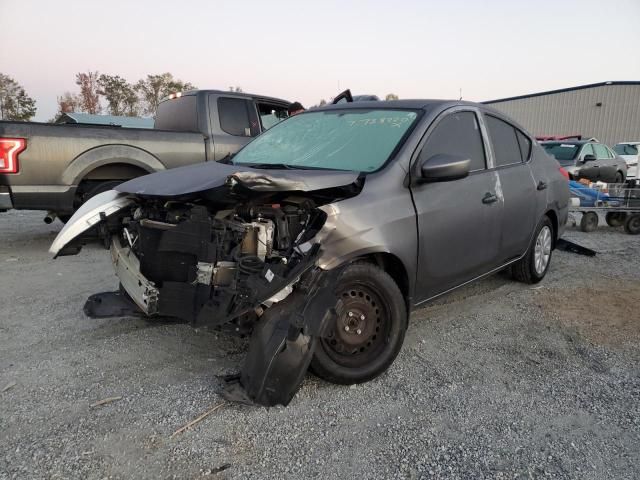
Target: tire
x=632 y=224
x=615 y=219
x=619 y=177
x=374 y=306
x=530 y=269
x=92 y=191
x=589 y=222
x=100 y=188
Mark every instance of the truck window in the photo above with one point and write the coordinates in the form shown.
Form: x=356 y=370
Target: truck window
x=271 y=114
x=235 y=117
x=178 y=114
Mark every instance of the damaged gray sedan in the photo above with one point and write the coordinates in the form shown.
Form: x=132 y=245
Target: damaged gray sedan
x=320 y=236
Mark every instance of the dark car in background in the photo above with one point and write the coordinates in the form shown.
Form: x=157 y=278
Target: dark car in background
x=588 y=159
x=321 y=235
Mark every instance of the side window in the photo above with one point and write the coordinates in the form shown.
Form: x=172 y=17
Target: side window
x=234 y=116
x=601 y=151
x=586 y=150
x=504 y=142
x=271 y=114
x=458 y=134
x=525 y=145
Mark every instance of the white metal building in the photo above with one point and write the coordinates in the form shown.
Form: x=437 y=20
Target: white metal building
x=609 y=111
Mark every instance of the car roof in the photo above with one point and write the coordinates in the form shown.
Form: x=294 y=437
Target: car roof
x=416 y=104
x=628 y=143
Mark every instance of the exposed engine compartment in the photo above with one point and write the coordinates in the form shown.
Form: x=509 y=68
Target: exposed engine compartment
x=214 y=266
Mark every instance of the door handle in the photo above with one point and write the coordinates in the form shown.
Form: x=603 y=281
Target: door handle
x=489 y=198
x=541 y=185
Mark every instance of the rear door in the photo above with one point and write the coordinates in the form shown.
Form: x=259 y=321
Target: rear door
x=458 y=221
x=607 y=164
x=511 y=150
x=233 y=121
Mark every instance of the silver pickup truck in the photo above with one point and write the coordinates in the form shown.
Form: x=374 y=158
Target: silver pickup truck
x=58 y=167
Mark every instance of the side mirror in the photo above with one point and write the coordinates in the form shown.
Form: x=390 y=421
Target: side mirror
x=589 y=158
x=442 y=167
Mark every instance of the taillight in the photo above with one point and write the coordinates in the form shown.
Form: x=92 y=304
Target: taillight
x=10 y=148
x=564 y=173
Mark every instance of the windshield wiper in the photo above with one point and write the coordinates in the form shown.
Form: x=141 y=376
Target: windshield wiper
x=283 y=166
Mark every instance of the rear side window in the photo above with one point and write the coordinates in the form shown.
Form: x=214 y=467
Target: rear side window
x=525 y=145
x=457 y=134
x=178 y=114
x=234 y=114
x=601 y=151
x=504 y=141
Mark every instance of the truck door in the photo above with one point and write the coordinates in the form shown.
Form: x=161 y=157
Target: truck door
x=458 y=221
x=233 y=122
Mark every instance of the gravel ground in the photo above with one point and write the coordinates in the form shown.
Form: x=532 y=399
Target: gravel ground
x=498 y=380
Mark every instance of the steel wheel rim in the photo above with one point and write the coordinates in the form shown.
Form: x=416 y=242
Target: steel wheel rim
x=344 y=344
x=542 y=250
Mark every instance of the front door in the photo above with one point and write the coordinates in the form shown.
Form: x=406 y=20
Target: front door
x=458 y=221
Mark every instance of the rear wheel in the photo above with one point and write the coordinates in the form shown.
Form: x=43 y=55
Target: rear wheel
x=589 y=222
x=632 y=224
x=534 y=265
x=615 y=219
x=369 y=329
x=87 y=191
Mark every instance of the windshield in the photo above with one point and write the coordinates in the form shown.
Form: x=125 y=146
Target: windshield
x=626 y=149
x=355 y=140
x=562 y=151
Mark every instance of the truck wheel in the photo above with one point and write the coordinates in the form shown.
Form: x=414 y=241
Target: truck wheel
x=534 y=265
x=91 y=191
x=632 y=224
x=589 y=222
x=615 y=219
x=369 y=330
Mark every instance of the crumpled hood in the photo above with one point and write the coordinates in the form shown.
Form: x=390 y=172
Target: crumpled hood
x=204 y=176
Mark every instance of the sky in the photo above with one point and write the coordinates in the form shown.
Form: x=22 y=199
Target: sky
x=309 y=50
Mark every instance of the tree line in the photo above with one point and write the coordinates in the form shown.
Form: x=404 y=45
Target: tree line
x=102 y=93
x=121 y=97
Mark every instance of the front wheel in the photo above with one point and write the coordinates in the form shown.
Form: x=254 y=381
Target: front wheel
x=369 y=329
x=619 y=177
x=534 y=265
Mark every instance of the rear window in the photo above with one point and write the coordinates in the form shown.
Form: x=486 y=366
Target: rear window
x=626 y=149
x=234 y=117
x=178 y=114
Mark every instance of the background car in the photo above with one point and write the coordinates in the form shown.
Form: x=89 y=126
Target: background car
x=588 y=159
x=629 y=152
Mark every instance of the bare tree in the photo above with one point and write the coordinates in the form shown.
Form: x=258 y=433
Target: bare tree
x=15 y=104
x=235 y=89
x=88 y=83
x=391 y=96
x=69 y=102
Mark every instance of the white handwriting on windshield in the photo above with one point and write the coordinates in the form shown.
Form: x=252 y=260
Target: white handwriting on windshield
x=391 y=121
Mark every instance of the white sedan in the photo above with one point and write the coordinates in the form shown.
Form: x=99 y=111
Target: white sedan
x=629 y=152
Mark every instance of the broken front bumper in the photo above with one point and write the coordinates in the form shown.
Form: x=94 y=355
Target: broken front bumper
x=127 y=266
